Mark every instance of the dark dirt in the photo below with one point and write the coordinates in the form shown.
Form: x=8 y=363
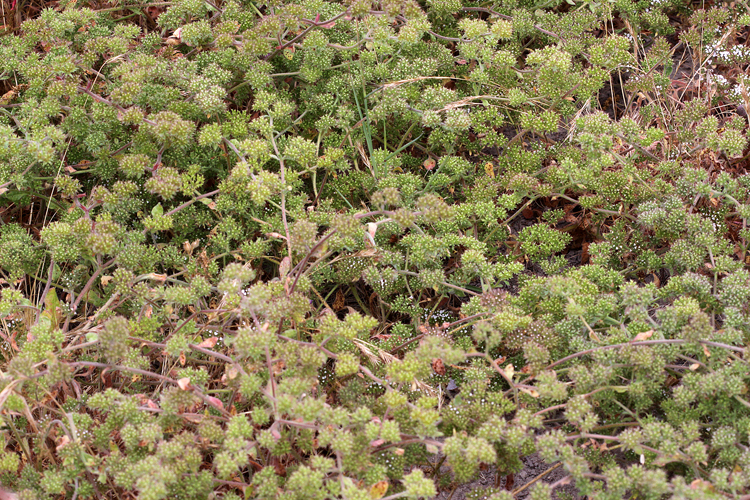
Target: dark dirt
x=534 y=467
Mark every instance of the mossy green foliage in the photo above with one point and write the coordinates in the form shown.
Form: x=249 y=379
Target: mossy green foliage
x=258 y=250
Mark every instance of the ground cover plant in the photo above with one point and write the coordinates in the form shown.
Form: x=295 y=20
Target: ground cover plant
x=362 y=250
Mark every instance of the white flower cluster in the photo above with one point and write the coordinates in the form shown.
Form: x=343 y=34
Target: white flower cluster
x=438 y=317
x=658 y=5
x=741 y=90
x=718 y=80
x=718 y=54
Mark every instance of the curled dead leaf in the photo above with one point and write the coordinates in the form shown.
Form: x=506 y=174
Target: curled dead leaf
x=232 y=372
x=64 y=440
x=438 y=366
x=701 y=484
x=643 y=336
x=209 y=342
x=215 y=402
x=489 y=169
x=176 y=37
x=378 y=490
x=531 y=392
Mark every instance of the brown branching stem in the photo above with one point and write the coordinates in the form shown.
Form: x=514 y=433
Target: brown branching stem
x=147 y=373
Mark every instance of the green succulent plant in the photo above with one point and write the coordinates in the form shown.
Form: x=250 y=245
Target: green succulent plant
x=361 y=250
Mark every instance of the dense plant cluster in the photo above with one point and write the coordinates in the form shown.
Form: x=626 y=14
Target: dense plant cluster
x=362 y=250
